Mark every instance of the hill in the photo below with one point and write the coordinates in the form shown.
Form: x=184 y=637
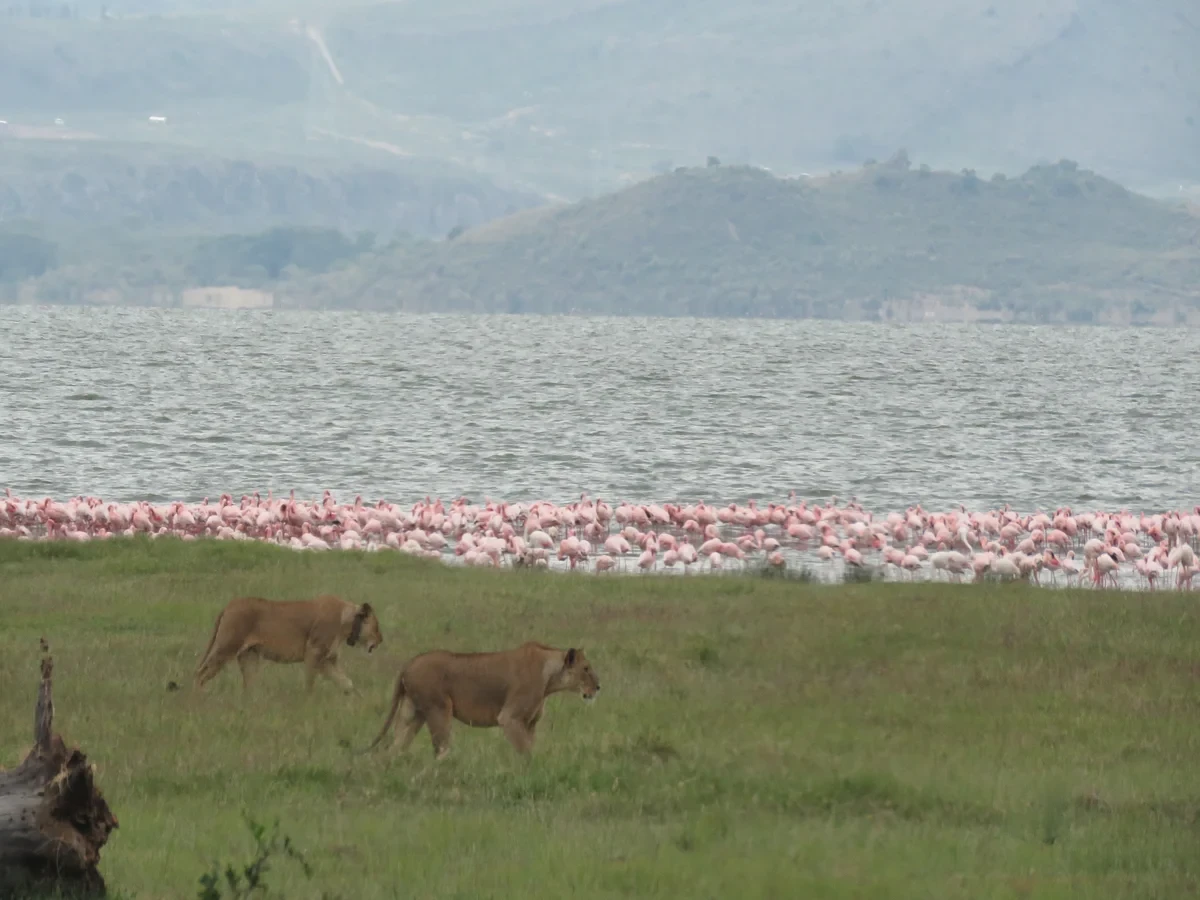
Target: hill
x=578 y=96
x=75 y=186
x=887 y=242
x=93 y=221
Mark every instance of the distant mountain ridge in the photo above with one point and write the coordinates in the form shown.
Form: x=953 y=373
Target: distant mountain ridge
x=572 y=97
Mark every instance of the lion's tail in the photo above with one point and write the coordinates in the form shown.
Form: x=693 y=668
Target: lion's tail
x=212 y=640
x=397 y=699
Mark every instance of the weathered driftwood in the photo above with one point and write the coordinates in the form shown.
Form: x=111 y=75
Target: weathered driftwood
x=53 y=818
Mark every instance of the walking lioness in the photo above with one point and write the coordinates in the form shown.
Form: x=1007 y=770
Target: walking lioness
x=251 y=629
x=507 y=688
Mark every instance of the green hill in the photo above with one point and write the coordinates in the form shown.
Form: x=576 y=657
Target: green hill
x=73 y=186
x=100 y=222
x=884 y=242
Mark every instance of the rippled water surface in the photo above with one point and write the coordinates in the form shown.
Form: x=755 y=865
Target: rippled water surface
x=168 y=404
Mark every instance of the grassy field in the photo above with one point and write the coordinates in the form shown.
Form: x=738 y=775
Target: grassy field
x=755 y=737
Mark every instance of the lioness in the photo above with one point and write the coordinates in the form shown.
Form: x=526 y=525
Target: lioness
x=506 y=688
x=252 y=629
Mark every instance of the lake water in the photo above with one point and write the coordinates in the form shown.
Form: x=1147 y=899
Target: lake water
x=170 y=404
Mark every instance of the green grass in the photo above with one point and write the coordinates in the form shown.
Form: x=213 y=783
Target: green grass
x=755 y=737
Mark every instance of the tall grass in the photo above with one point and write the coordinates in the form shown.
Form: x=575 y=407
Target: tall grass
x=756 y=737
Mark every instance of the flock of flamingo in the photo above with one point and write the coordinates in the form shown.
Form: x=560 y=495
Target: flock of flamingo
x=1117 y=549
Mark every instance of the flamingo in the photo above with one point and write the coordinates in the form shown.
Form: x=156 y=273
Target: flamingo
x=498 y=532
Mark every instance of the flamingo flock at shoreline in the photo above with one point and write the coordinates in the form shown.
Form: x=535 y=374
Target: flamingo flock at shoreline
x=1101 y=549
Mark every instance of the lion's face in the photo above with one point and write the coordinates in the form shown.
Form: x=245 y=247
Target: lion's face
x=365 y=630
x=578 y=675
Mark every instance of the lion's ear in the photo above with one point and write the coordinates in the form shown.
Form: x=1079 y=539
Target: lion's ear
x=570 y=660
x=365 y=609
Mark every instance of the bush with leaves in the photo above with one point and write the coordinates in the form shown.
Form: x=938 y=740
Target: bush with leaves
x=241 y=882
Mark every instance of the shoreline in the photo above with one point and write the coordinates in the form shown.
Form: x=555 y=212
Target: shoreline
x=902 y=312
x=824 y=543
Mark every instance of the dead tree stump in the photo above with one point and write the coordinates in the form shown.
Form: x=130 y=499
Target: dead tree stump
x=53 y=818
